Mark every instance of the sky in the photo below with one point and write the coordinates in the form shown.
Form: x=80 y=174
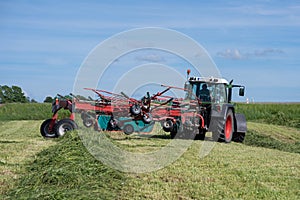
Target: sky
x=256 y=43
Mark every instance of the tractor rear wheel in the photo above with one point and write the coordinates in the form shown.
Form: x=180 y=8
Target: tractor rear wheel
x=238 y=137
x=223 y=131
x=45 y=128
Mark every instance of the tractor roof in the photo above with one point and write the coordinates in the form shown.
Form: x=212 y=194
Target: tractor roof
x=208 y=80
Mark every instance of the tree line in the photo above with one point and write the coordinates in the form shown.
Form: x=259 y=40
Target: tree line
x=13 y=94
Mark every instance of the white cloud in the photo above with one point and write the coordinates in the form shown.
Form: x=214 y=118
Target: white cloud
x=151 y=58
x=236 y=54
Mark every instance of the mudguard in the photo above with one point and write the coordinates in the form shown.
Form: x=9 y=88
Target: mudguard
x=241 y=124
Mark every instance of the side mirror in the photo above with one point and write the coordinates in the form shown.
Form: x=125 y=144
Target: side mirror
x=242 y=91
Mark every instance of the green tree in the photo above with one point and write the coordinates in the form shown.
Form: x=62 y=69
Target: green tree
x=18 y=95
x=48 y=99
x=33 y=101
x=1 y=95
x=12 y=94
x=7 y=94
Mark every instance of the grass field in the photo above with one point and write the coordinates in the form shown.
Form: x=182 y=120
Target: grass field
x=285 y=114
x=265 y=166
x=28 y=111
x=19 y=144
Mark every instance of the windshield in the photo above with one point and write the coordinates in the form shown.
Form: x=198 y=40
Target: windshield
x=209 y=92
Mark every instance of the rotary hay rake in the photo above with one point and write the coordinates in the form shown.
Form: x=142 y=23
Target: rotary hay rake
x=188 y=117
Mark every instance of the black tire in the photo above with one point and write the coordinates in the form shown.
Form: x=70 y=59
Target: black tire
x=64 y=126
x=113 y=124
x=135 y=109
x=174 y=131
x=167 y=125
x=239 y=137
x=88 y=122
x=224 y=129
x=87 y=115
x=173 y=134
x=128 y=129
x=147 y=118
x=200 y=136
x=83 y=115
x=44 y=129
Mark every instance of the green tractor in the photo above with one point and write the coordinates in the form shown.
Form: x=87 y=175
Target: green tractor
x=214 y=111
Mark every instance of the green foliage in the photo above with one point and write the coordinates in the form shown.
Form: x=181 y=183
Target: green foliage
x=48 y=99
x=33 y=101
x=12 y=94
x=285 y=114
x=29 y=111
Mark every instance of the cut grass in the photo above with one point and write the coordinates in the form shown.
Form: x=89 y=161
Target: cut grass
x=230 y=171
x=63 y=171
x=19 y=142
x=281 y=133
x=274 y=137
x=66 y=170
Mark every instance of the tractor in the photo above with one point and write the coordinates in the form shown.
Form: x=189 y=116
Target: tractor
x=207 y=107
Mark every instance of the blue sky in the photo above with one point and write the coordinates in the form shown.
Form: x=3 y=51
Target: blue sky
x=256 y=43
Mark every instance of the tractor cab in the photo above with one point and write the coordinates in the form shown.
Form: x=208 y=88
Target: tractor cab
x=210 y=90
